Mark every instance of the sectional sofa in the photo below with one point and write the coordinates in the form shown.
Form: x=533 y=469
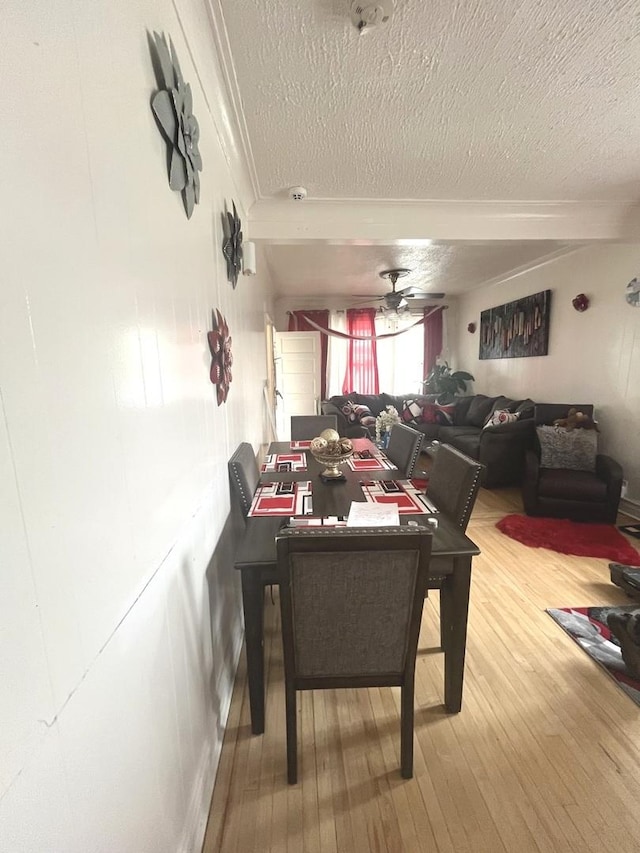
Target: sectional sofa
x=497 y=431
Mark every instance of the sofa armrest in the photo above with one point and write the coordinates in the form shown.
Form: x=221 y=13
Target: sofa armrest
x=502 y=451
x=611 y=472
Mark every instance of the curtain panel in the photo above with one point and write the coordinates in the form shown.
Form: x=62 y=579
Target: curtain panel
x=362 y=359
x=432 y=338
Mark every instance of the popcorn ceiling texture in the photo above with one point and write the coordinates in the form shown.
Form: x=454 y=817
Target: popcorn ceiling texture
x=480 y=99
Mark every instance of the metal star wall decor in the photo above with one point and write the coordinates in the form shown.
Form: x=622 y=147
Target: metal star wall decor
x=173 y=108
x=232 y=245
x=221 y=358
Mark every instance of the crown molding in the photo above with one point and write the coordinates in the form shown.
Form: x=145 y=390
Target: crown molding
x=236 y=118
x=394 y=221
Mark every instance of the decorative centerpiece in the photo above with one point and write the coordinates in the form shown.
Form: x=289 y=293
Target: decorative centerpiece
x=384 y=422
x=331 y=450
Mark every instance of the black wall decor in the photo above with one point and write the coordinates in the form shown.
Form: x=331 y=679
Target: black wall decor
x=232 y=244
x=172 y=106
x=517 y=329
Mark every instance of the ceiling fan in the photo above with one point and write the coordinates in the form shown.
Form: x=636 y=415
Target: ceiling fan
x=395 y=299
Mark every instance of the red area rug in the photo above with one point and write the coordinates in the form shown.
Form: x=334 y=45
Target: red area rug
x=570 y=537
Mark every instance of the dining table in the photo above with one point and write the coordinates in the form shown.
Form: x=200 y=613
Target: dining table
x=256 y=558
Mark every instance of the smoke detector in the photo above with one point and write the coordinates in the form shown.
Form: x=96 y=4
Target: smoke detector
x=297 y=193
x=366 y=14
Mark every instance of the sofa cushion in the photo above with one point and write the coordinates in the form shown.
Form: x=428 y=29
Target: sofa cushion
x=573 y=449
x=502 y=404
x=462 y=407
x=468 y=443
x=501 y=416
x=558 y=483
x=479 y=410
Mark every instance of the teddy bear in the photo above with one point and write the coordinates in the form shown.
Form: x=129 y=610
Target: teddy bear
x=576 y=420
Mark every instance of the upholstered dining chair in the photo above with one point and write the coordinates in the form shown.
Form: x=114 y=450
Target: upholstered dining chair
x=568 y=478
x=404 y=448
x=351 y=601
x=244 y=476
x=304 y=427
x=453 y=485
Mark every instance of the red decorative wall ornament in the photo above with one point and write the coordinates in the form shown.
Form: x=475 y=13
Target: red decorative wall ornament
x=221 y=358
x=471 y=328
x=580 y=302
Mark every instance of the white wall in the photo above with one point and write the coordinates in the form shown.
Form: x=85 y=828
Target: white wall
x=120 y=619
x=594 y=356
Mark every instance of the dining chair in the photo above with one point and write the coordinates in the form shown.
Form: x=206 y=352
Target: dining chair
x=304 y=427
x=351 y=603
x=404 y=448
x=453 y=485
x=244 y=476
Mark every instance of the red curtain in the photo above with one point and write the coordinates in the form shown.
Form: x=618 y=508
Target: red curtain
x=297 y=323
x=432 y=338
x=362 y=356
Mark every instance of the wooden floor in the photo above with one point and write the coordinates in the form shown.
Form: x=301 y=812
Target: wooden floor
x=545 y=755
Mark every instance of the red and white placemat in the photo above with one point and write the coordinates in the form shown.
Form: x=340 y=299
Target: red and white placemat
x=403 y=493
x=365 y=460
x=301 y=445
x=284 y=462
x=282 y=499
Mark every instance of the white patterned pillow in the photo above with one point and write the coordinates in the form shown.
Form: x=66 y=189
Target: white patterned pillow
x=575 y=449
x=411 y=412
x=501 y=416
x=356 y=413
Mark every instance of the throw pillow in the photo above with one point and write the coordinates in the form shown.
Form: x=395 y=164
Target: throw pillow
x=411 y=412
x=356 y=413
x=445 y=414
x=501 y=416
x=574 y=449
x=437 y=413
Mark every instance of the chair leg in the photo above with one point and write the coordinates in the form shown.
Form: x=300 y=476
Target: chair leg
x=445 y=620
x=292 y=734
x=406 y=731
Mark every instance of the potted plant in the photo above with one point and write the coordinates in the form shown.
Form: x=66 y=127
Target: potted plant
x=446 y=383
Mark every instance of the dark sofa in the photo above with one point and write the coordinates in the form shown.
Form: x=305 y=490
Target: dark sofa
x=501 y=449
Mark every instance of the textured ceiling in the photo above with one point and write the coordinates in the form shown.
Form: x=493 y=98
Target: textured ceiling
x=321 y=270
x=452 y=99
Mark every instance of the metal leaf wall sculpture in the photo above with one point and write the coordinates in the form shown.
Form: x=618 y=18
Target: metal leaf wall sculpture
x=232 y=245
x=221 y=358
x=173 y=109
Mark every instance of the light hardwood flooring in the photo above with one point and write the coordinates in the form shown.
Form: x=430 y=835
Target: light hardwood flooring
x=545 y=755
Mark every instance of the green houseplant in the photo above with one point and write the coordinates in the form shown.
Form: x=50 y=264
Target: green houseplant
x=444 y=382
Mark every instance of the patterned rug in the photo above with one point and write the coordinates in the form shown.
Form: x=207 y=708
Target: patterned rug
x=588 y=627
x=570 y=537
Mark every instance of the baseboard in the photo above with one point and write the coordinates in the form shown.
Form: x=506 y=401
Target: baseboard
x=198 y=811
x=631 y=508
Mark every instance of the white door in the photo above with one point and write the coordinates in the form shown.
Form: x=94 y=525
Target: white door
x=297 y=358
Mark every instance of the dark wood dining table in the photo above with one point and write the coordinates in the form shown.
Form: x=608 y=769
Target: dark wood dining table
x=256 y=561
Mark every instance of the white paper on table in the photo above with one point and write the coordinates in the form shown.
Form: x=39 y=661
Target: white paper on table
x=366 y=514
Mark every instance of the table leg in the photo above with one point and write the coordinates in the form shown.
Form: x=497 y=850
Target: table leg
x=253 y=606
x=454 y=595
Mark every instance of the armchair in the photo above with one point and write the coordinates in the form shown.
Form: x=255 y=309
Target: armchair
x=580 y=495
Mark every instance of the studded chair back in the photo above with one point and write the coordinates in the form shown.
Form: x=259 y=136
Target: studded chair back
x=454 y=481
x=351 y=602
x=404 y=448
x=305 y=427
x=243 y=476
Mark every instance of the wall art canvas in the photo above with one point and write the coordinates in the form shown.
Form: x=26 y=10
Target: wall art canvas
x=516 y=329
